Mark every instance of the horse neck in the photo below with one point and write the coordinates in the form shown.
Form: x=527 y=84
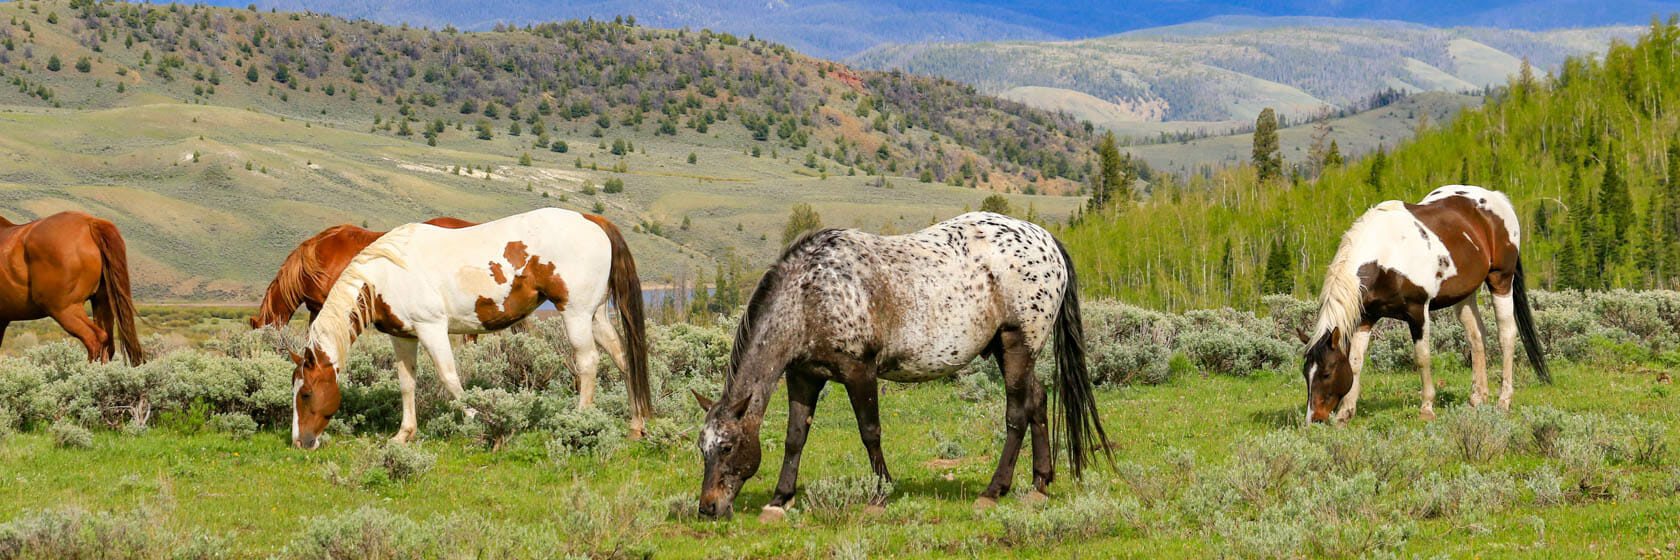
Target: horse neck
x=1341 y=304
x=277 y=304
x=347 y=311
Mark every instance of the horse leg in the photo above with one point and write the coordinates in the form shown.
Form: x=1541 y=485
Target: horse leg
x=78 y=325
x=803 y=390
x=1471 y=317
x=1504 y=309
x=1017 y=382
x=406 y=350
x=606 y=337
x=435 y=337
x=3 y=326
x=1419 y=323
x=1043 y=449
x=861 y=388
x=580 y=332
x=1356 y=362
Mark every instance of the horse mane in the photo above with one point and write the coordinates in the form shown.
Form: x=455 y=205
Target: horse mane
x=349 y=306
x=1341 y=300
x=302 y=265
x=759 y=303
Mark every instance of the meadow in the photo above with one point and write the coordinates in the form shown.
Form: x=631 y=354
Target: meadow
x=186 y=456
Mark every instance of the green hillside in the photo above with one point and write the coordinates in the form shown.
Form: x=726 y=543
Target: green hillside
x=1590 y=159
x=218 y=138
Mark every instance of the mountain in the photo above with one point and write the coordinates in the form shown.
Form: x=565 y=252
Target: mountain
x=1229 y=68
x=1590 y=159
x=842 y=28
x=217 y=138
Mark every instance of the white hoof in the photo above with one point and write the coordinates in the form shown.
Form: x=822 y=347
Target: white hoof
x=472 y=413
x=772 y=514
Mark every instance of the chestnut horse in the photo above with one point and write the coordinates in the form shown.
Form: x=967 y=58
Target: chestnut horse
x=1404 y=260
x=420 y=283
x=853 y=308
x=310 y=270
x=55 y=264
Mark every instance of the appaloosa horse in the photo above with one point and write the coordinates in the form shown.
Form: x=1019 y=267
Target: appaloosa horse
x=310 y=270
x=1404 y=260
x=853 y=308
x=54 y=265
x=420 y=283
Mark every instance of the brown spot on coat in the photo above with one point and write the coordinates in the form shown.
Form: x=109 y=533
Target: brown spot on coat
x=535 y=282
x=496 y=273
x=386 y=321
x=515 y=253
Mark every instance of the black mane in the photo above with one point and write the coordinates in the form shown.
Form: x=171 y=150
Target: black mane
x=760 y=300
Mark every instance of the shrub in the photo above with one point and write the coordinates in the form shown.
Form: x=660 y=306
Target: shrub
x=1234 y=352
x=1471 y=492
x=238 y=425
x=72 y=532
x=402 y=461
x=832 y=499
x=366 y=532
x=1086 y=516
x=501 y=413
x=1479 y=433
x=525 y=361
x=581 y=431
x=68 y=434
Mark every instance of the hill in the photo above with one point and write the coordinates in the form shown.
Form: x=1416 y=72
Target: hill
x=217 y=138
x=842 y=28
x=1591 y=160
x=1228 y=69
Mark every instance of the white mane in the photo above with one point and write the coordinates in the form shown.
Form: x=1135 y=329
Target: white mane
x=1340 y=301
x=346 y=311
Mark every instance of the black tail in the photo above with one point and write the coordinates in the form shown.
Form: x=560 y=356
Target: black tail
x=1078 y=404
x=1525 y=326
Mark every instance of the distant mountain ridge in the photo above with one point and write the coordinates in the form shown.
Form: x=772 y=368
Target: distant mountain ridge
x=841 y=28
x=1229 y=68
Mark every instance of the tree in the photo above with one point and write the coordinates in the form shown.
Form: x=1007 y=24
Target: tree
x=1464 y=171
x=1227 y=266
x=525 y=159
x=1318 y=151
x=1268 y=161
x=1333 y=158
x=692 y=158
x=1109 y=185
x=1615 y=207
x=84 y=65
x=251 y=74
x=53 y=64
x=802 y=219
x=484 y=131
x=995 y=203
x=1280 y=276
x=1379 y=164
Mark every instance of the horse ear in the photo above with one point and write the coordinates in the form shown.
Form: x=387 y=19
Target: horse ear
x=1336 y=339
x=705 y=403
x=296 y=359
x=741 y=409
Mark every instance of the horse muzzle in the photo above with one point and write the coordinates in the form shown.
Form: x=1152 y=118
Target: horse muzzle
x=306 y=442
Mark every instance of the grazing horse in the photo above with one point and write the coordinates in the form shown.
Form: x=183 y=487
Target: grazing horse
x=55 y=264
x=420 y=283
x=310 y=270
x=1404 y=260
x=854 y=308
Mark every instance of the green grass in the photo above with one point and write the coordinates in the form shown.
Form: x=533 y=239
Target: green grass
x=261 y=494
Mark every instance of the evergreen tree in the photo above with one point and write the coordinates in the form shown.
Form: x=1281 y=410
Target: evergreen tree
x=1464 y=171
x=1333 y=158
x=1379 y=164
x=803 y=218
x=1615 y=211
x=1110 y=184
x=996 y=204
x=1268 y=160
x=1280 y=276
x=1227 y=266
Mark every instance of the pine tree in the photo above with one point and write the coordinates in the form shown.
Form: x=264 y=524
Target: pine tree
x=1227 y=267
x=1615 y=210
x=1334 y=157
x=1379 y=164
x=1280 y=278
x=1268 y=161
x=801 y=219
x=1464 y=171
x=1110 y=184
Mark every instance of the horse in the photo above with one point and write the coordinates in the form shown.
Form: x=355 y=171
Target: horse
x=854 y=308
x=309 y=271
x=55 y=264
x=420 y=283
x=1404 y=260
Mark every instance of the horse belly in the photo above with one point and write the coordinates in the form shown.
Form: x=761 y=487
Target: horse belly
x=935 y=348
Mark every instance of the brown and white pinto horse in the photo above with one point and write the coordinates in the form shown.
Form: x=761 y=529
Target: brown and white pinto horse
x=1404 y=260
x=53 y=265
x=310 y=270
x=420 y=283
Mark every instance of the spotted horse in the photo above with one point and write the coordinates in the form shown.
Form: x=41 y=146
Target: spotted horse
x=1404 y=260
x=420 y=283
x=854 y=308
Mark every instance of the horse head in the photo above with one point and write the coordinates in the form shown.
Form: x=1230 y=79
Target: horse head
x=315 y=397
x=1329 y=374
x=729 y=447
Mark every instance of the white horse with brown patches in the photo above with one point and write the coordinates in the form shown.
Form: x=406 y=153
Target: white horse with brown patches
x=1404 y=260
x=420 y=283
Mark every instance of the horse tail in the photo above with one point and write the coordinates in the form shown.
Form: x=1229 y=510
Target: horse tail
x=1079 y=417
x=1525 y=326
x=114 y=295
x=626 y=290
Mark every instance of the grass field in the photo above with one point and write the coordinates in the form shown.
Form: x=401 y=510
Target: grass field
x=1211 y=458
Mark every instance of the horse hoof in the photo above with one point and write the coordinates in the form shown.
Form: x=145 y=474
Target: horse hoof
x=983 y=503
x=873 y=510
x=1426 y=414
x=472 y=413
x=1034 y=497
x=772 y=514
